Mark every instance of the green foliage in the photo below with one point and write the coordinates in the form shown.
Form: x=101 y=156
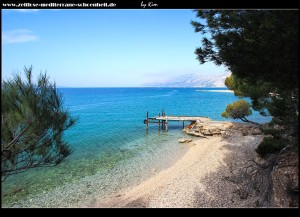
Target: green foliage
x=276 y=121
x=256 y=45
x=271 y=131
x=269 y=146
x=33 y=122
x=238 y=110
x=275 y=105
x=260 y=48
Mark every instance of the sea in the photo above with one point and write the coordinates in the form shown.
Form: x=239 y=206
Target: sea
x=111 y=147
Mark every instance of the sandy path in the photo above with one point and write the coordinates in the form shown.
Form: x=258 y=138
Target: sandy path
x=196 y=180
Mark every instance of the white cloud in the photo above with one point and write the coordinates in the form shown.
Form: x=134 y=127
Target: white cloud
x=18 y=36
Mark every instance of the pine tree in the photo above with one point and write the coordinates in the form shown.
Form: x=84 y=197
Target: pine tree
x=32 y=125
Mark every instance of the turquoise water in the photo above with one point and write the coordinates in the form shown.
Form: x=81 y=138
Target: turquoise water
x=110 y=143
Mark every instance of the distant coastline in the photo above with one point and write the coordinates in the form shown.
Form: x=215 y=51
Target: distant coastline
x=220 y=91
x=194 y=80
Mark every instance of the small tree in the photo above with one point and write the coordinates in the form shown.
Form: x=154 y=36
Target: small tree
x=238 y=110
x=32 y=125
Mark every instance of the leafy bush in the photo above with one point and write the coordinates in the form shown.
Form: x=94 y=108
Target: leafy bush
x=269 y=146
x=271 y=131
x=276 y=120
x=238 y=110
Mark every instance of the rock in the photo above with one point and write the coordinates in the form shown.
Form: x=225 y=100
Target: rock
x=215 y=131
x=245 y=133
x=256 y=131
x=223 y=128
x=235 y=127
x=192 y=133
x=184 y=140
x=207 y=133
x=226 y=134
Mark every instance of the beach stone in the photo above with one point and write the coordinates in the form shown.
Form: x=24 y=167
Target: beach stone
x=207 y=133
x=184 y=140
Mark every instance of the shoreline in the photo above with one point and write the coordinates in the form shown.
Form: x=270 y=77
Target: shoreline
x=194 y=179
x=130 y=172
x=198 y=179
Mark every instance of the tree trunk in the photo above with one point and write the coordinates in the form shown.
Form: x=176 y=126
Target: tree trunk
x=252 y=122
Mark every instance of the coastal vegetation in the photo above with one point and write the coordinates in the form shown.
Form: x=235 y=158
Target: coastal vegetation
x=238 y=110
x=260 y=48
x=32 y=125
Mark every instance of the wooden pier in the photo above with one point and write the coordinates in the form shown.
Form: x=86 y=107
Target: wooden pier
x=164 y=119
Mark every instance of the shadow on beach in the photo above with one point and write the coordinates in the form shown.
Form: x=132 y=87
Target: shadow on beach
x=227 y=187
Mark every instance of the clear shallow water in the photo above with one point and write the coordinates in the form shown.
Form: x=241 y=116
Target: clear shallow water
x=110 y=142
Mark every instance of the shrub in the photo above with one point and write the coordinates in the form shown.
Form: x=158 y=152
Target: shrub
x=238 y=110
x=269 y=146
x=271 y=131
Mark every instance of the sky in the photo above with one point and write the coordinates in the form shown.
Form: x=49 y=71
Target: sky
x=102 y=48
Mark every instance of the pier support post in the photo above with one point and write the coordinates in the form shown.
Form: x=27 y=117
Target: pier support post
x=183 y=125
x=158 y=122
x=147 y=120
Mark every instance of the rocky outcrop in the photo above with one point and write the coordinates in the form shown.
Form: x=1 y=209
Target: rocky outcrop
x=285 y=179
x=218 y=128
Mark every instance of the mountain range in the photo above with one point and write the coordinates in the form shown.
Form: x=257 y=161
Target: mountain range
x=191 y=80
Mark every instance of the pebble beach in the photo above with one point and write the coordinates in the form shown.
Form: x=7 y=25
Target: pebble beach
x=198 y=179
